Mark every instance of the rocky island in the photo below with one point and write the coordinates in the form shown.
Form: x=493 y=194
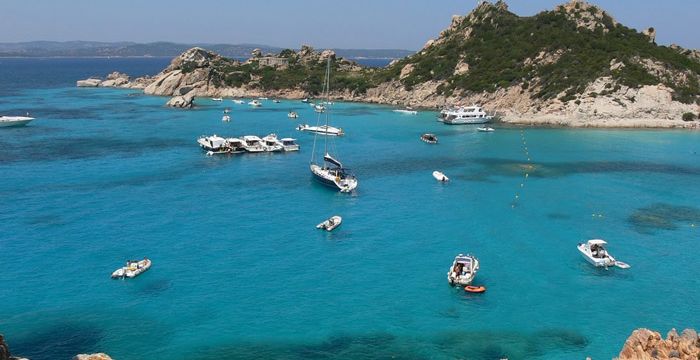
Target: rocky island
x=574 y=65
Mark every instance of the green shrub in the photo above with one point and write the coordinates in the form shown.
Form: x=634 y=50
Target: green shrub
x=689 y=116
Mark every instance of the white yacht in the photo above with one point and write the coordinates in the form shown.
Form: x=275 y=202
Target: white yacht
x=253 y=144
x=595 y=253
x=292 y=115
x=329 y=171
x=465 y=115
x=235 y=145
x=463 y=270
x=7 y=121
x=212 y=143
x=289 y=144
x=271 y=144
x=322 y=130
x=255 y=103
x=238 y=101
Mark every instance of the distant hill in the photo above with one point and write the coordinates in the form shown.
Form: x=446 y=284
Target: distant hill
x=163 y=49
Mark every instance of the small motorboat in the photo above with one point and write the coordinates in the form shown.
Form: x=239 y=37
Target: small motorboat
x=132 y=269
x=226 y=118
x=255 y=103
x=227 y=110
x=276 y=101
x=429 y=138
x=238 y=101
x=407 y=111
x=463 y=270
x=8 y=121
x=292 y=115
x=262 y=98
x=475 y=289
x=440 y=176
x=319 y=108
x=485 y=129
x=305 y=101
x=217 y=99
x=595 y=253
x=330 y=224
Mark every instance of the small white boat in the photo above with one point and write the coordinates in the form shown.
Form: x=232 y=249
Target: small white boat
x=226 y=118
x=306 y=100
x=262 y=98
x=319 y=108
x=429 y=138
x=322 y=130
x=276 y=101
x=289 y=144
x=463 y=270
x=406 y=111
x=217 y=99
x=8 y=121
x=227 y=110
x=255 y=103
x=271 y=144
x=440 y=176
x=330 y=224
x=595 y=253
x=253 y=144
x=132 y=269
x=238 y=101
x=292 y=115
x=485 y=129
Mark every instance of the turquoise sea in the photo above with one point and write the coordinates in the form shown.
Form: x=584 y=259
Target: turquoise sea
x=240 y=271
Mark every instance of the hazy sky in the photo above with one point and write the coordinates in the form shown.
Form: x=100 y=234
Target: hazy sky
x=406 y=24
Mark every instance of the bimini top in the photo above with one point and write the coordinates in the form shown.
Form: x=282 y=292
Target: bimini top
x=596 y=242
x=464 y=259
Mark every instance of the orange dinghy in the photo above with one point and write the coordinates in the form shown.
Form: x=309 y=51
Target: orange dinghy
x=474 y=289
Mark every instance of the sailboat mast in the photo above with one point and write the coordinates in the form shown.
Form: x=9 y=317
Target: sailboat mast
x=327 y=86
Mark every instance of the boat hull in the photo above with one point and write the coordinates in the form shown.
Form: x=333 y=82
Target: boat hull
x=15 y=123
x=466 y=121
x=597 y=262
x=324 y=178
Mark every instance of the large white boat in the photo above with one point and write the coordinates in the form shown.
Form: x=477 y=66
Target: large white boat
x=253 y=144
x=322 y=130
x=132 y=269
x=595 y=253
x=289 y=144
x=7 y=121
x=235 y=145
x=255 y=103
x=212 y=143
x=463 y=270
x=329 y=171
x=465 y=115
x=271 y=144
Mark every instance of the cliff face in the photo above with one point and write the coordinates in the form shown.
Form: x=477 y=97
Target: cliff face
x=645 y=344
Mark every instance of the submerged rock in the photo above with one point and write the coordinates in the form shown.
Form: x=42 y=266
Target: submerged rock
x=646 y=344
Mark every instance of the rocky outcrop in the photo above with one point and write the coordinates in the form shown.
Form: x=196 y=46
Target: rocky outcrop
x=182 y=101
x=645 y=344
x=651 y=34
x=4 y=349
x=98 y=356
x=586 y=16
x=90 y=82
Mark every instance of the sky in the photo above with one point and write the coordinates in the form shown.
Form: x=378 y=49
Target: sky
x=368 y=24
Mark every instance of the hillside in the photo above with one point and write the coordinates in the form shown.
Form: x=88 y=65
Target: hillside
x=574 y=65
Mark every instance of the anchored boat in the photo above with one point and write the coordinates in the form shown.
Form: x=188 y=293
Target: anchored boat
x=465 y=115
x=8 y=121
x=594 y=252
x=329 y=171
x=429 y=138
x=132 y=269
x=439 y=176
x=330 y=224
x=322 y=130
x=463 y=270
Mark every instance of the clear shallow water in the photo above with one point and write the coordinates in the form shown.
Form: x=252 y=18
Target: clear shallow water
x=239 y=270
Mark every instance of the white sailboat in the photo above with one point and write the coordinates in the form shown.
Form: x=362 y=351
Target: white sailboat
x=330 y=171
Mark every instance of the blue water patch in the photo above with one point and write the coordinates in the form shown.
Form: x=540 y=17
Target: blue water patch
x=240 y=271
